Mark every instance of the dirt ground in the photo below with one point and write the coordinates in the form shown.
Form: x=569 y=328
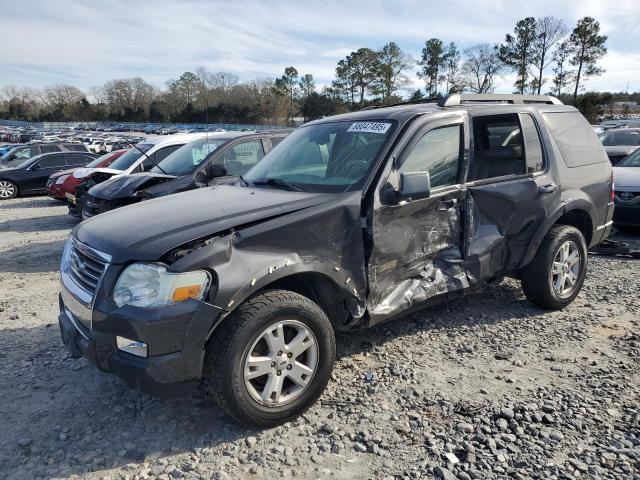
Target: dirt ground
x=487 y=386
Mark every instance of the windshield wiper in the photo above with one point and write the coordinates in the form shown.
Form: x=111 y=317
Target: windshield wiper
x=276 y=182
x=145 y=154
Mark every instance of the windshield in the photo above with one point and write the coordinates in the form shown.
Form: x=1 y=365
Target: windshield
x=185 y=159
x=632 y=160
x=327 y=157
x=129 y=158
x=613 y=139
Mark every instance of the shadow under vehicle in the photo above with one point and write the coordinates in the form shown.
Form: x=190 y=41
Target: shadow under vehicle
x=351 y=221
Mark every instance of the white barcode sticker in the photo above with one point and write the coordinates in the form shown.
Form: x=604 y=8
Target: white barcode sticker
x=369 y=127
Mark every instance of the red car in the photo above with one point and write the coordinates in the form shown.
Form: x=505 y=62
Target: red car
x=62 y=185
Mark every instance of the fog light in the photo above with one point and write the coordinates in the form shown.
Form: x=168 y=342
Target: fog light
x=139 y=349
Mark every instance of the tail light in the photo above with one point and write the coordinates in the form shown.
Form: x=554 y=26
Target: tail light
x=612 y=192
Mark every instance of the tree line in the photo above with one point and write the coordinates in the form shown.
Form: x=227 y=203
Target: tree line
x=544 y=54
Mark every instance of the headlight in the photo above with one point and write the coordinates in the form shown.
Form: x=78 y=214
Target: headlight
x=61 y=179
x=64 y=263
x=150 y=285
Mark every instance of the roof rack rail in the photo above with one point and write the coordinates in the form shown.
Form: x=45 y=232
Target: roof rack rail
x=456 y=99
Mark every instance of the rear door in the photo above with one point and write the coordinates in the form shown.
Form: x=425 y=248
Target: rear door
x=511 y=190
x=417 y=244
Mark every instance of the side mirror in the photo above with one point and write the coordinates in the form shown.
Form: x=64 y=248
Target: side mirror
x=215 y=171
x=414 y=185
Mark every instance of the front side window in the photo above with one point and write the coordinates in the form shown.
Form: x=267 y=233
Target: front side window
x=326 y=157
x=241 y=157
x=498 y=147
x=613 y=139
x=437 y=152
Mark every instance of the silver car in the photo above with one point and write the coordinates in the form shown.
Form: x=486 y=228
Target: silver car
x=626 y=175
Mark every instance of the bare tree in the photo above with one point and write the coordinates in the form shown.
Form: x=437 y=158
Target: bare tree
x=549 y=31
x=481 y=65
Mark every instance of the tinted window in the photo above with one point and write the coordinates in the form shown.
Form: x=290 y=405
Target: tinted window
x=437 y=152
x=75 y=147
x=51 y=161
x=498 y=147
x=613 y=139
x=576 y=140
x=49 y=148
x=532 y=146
x=77 y=159
x=632 y=160
x=241 y=157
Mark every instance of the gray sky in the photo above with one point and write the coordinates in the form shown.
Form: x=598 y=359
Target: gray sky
x=86 y=43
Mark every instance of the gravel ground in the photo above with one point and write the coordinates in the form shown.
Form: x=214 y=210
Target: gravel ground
x=484 y=387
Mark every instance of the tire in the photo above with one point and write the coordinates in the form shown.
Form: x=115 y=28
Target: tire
x=246 y=332
x=549 y=288
x=8 y=189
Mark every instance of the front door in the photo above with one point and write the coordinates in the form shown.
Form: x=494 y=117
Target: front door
x=46 y=166
x=417 y=244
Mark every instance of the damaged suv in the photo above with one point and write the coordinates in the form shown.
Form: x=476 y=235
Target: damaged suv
x=349 y=222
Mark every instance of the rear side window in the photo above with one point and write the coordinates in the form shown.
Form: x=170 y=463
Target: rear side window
x=576 y=140
x=75 y=147
x=73 y=160
x=498 y=147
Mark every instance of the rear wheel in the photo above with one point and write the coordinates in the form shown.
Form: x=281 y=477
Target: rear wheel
x=271 y=359
x=555 y=276
x=8 y=189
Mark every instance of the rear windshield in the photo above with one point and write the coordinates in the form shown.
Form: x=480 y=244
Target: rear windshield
x=613 y=139
x=578 y=143
x=187 y=158
x=129 y=158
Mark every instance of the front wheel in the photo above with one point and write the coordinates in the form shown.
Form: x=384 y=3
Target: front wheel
x=8 y=189
x=270 y=360
x=556 y=274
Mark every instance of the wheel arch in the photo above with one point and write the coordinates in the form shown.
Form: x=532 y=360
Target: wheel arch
x=575 y=214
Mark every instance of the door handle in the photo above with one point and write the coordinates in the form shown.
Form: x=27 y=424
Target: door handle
x=447 y=203
x=547 y=189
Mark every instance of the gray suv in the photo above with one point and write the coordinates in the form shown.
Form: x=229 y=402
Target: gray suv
x=350 y=221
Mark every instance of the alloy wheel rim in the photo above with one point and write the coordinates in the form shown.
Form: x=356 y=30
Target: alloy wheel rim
x=281 y=363
x=6 y=189
x=566 y=268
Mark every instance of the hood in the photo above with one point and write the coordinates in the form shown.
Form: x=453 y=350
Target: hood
x=147 y=230
x=124 y=186
x=64 y=172
x=85 y=172
x=627 y=177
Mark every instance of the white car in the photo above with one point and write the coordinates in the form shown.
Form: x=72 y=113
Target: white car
x=94 y=146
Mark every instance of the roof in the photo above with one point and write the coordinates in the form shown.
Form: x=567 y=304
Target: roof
x=405 y=111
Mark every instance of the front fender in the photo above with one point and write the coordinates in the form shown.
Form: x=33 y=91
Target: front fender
x=241 y=272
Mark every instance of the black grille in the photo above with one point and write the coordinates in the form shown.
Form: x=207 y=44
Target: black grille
x=626 y=196
x=85 y=270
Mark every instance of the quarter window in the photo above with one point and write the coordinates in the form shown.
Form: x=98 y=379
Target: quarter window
x=437 y=152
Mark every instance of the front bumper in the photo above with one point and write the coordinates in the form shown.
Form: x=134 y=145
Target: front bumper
x=626 y=215
x=175 y=335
